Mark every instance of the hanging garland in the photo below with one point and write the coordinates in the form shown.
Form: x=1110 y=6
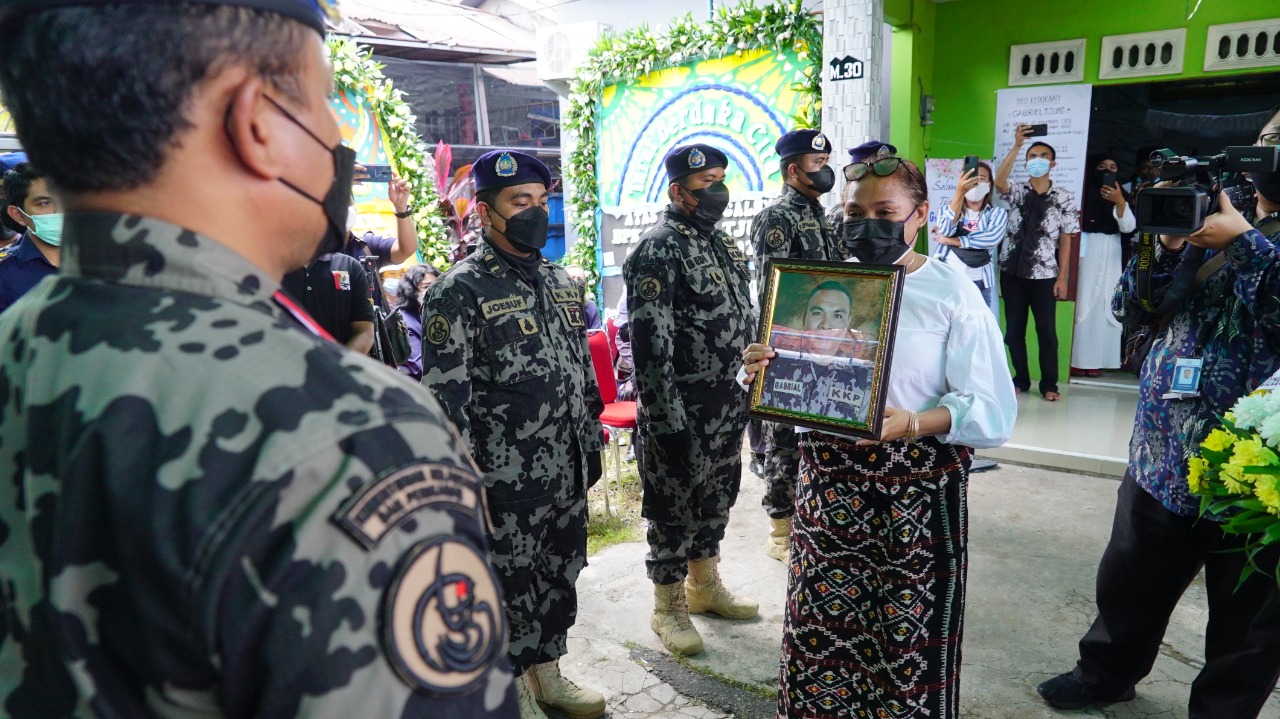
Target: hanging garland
x=355 y=70
x=637 y=52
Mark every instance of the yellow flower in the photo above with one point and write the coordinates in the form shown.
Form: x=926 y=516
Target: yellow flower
x=1218 y=440
x=1195 y=473
x=1252 y=453
x=1268 y=493
x=1233 y=479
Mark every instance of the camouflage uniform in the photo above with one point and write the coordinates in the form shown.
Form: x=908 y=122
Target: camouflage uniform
x=510 y=364
x=793 y=226
x=688 y=296
x=207 y=511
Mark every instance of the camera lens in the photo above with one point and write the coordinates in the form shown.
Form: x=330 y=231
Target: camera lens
x=1171 y=210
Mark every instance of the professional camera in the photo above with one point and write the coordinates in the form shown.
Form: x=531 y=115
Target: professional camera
x=1182 y=209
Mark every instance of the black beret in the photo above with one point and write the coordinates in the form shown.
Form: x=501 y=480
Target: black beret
x=688 y=159
x=504 y=168
x=802 y=142
x=870 y=149
x=310 y=12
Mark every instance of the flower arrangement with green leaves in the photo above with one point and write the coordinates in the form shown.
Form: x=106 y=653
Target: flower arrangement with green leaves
x=354 y=69
x=1237 y=473
x=639 y=51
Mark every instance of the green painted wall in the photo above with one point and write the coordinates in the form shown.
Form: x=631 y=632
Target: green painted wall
x=970 y=42
x=971 y=51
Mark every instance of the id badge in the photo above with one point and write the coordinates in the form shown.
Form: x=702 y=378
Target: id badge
x=1186 y=378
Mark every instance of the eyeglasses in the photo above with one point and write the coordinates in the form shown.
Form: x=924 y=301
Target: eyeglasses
x=1270 y=139
x=882 y=168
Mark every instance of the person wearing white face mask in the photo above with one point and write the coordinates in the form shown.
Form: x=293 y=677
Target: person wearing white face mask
x=36 y=255
x=970 y=228
x=1036 y=261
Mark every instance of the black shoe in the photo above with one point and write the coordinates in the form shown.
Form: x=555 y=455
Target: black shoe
x=1066 y=692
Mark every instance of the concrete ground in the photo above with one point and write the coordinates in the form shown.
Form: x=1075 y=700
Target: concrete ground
x=1035 y=539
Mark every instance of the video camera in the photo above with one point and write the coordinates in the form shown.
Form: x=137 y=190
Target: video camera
x=1181 y=209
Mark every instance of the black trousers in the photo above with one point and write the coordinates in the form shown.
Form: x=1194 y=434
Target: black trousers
x=1036 y=295
x=1151 y=559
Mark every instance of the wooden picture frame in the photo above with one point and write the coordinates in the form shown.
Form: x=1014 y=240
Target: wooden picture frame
x=832 y=325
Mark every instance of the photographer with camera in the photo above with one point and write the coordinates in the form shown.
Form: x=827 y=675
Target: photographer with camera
x=1036 y=261
x=1212 y=293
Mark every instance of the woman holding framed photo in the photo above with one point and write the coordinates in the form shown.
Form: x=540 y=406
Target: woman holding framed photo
x=875 y=606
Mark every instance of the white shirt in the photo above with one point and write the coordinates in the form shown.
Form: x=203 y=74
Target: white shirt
x=949 y=353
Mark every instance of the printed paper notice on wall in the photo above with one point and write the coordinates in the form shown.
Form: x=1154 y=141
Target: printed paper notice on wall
x=1065 y=109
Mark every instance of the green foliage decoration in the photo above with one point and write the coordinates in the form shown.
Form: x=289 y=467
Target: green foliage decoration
x=354 y=69
x=624 y=57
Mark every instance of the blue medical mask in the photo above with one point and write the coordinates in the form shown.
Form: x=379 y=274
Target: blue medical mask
x=46 y=227
x=1037 y=167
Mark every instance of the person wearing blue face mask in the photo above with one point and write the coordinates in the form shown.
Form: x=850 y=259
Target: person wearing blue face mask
x=1035 y=262
x=36 y=255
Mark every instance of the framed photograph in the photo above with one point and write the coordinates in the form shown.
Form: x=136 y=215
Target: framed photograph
x=832 y=325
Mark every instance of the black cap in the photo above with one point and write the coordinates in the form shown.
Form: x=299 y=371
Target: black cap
x=688 y=159
x=504 y=168
x=802 y=142
x=309 y=12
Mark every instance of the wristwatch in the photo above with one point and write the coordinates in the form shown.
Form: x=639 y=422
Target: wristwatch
x=408 y=212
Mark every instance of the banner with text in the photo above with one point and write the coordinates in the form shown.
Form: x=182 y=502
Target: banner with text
x=1065 y=109
x=942 y=177
x=739 y=104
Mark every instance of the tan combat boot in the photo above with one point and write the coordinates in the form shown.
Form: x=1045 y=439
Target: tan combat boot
x=708 y=594
x=778 y=545
x=553 y=690
x=671 y=620
x=526 y=699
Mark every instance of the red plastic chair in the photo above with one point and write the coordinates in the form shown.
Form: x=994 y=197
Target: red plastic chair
x=611 y=326
x=617 y=415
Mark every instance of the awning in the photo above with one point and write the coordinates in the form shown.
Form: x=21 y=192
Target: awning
x=435 y=30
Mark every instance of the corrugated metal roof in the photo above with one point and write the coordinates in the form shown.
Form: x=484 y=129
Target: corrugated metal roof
x=440 y=29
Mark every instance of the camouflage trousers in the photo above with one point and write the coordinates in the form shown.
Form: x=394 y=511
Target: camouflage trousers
x=539 y=547
x=781 y=467
x=687 y=500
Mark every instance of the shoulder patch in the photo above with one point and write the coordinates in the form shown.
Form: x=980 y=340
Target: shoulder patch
x=443 y=627
x=696 y=262
x=775 y=238
x=649 y=288
x=436 y=330
x=381 y=505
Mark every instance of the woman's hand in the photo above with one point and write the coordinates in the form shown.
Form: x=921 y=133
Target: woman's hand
x=755 y=358
x=968 y=181
x=1112 y=194
x=896 y=423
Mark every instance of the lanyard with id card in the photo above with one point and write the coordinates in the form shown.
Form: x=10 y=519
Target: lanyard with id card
x=1186 y=378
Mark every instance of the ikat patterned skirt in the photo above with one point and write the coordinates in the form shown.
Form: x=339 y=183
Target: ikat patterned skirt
x=875 y=597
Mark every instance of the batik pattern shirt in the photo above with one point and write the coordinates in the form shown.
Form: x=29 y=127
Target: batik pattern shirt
x=1062 y=217
x=1232 y=322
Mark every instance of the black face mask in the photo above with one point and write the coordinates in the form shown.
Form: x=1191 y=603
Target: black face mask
x=823 y=180
x=337 y=200
x=712 y=202
x=1267 y=184
x=526 y=230
x=876 y=241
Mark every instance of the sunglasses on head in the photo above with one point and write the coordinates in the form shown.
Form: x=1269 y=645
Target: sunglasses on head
x=882 y=168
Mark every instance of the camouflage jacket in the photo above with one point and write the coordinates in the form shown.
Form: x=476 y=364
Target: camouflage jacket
x=510 y=364
x=836 y=388
x=792 y=226
x=207 y=511
x=688 y=297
